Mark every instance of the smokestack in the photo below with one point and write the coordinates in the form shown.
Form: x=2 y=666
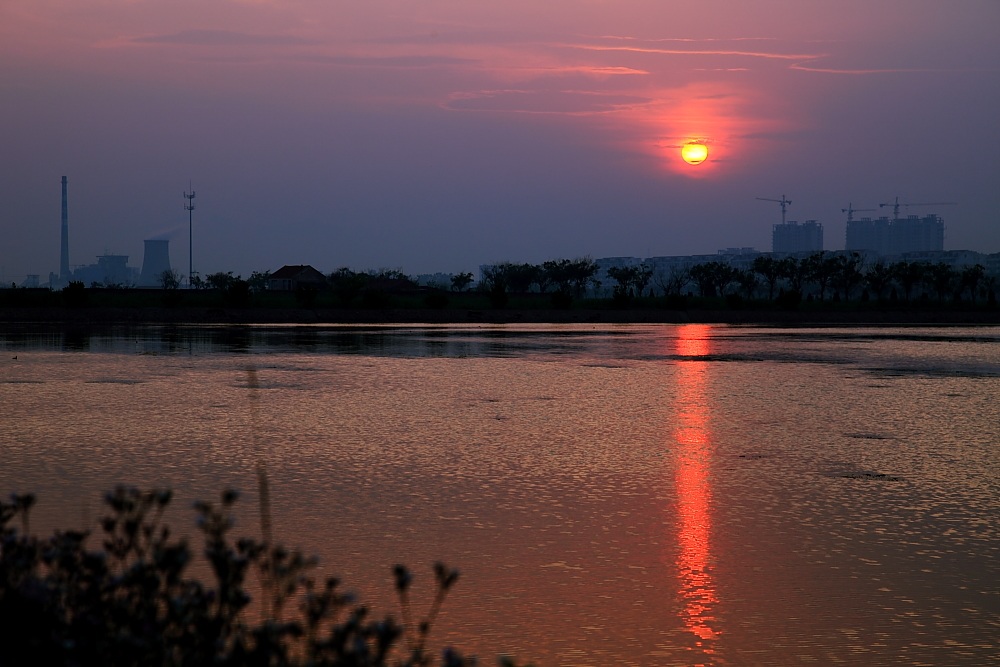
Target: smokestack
x=155 y=260
x=64 y=275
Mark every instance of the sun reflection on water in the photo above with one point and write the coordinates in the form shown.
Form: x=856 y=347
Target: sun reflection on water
x=696 y=588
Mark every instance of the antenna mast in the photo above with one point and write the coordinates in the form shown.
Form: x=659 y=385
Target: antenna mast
x=189 y=207
x=64 y=275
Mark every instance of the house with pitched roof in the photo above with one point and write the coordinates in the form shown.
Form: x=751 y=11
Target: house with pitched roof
x=293 y=277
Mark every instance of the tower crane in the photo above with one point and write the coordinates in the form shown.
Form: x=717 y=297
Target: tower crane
x=850 y=211
x=895 y=205
x=784 y=204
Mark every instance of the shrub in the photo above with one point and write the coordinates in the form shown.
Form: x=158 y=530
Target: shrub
x=306 y=295
x=789 y=300
x=131 y=603
x=562 y=299
x=75 y=293
x=437 y=300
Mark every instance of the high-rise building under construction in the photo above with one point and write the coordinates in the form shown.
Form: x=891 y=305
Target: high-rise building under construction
x=885 y=236
x=797 y=237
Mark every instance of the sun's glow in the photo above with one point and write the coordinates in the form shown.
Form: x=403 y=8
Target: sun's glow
x=694 y=152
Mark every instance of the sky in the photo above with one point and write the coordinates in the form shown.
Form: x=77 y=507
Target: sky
x=438 y=135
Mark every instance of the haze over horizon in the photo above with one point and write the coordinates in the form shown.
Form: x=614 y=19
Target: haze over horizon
x=440 y=135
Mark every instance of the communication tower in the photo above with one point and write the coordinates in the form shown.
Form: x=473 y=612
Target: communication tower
x=64 y=275
x=189 y=207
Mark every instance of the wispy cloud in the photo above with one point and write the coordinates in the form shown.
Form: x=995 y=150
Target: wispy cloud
x=693 y=52
x=396 y=62
x=685 y=40
x=595 y=71
x=567 y=102
x=221 y=38
x=802 y=67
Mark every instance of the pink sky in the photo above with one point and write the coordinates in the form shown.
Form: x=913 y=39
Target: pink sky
x=438 y=135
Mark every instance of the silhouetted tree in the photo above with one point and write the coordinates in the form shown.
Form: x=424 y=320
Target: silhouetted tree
x=970 y=279
x=170 y=280
x=820 y=269
x=672 y=281
x=630 y=280
x=220 y=281
x=389 y=274
x=347 y=284
x=747 y=280
x=495 y=278
x=520 y=277
x=570 y=276
x=940 y=277
x=712 y=278
x=258 y=281
x=461 y=281
x=75 y=293
x=989 y=288
x=772 y=270
x=702 y=276
x=908 y=275
x=495 y=282
x=796 y=271
x=644 y=274
x=878 y=278
x=847 y=275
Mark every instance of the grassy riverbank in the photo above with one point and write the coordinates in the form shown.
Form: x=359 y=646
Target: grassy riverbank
x=207 y=307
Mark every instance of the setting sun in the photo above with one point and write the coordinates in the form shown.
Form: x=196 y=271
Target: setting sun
x=694 y=153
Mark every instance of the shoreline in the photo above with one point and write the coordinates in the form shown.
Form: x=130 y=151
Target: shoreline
x=99 y=316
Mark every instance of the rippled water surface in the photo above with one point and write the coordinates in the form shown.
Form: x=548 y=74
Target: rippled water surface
x=630 y=495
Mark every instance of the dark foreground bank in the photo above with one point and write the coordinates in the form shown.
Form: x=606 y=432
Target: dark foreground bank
x=818 y=315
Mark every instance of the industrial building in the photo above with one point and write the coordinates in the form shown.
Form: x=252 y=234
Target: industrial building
x=109 y=271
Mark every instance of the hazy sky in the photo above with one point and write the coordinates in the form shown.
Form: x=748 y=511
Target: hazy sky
x=436 y=135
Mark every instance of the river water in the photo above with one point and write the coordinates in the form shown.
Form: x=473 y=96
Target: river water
x=613 y=495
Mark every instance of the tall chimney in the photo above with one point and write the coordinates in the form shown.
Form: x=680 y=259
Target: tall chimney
x=64 y=275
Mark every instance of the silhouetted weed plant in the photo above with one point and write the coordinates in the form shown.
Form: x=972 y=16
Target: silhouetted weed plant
x=131 y=603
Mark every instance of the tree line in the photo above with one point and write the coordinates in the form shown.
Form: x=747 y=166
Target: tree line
x=840 y=277
x=822 y=276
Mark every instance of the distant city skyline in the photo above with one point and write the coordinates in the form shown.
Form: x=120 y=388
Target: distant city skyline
x=438 y=136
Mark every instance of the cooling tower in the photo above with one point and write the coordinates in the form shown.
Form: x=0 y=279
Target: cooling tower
x=155 y=260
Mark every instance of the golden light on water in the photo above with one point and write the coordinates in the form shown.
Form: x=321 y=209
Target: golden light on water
x=696 y=588
x=694 y=152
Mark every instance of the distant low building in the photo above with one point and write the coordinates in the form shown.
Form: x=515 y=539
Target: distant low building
x=293 y=277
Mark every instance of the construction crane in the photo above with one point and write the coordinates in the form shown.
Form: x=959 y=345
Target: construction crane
x=895 y=205
x=784 y=204
x=850 y=211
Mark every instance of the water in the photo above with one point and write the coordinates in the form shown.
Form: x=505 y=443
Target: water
x=627 y=495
